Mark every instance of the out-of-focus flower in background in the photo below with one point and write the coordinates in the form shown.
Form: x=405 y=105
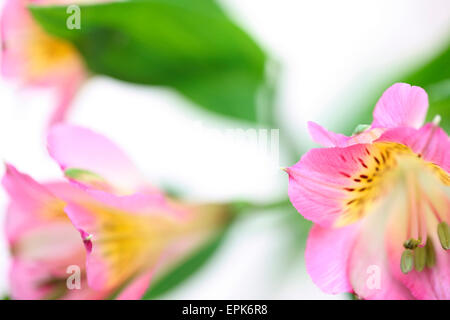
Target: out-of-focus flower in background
x=130 y=235
x=128 y=238
x=380 y=201
x=42 y=240
x=36 y=59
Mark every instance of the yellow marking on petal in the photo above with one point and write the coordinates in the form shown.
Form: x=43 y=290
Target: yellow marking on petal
x=129 y=243
x=54 y=210
x=383 y=164
x=46 y=54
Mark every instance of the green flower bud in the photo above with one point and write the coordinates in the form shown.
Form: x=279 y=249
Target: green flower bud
x=430 y=255
x=407 y=261
x=444 y=235
x=361 y=128
x=420 y=258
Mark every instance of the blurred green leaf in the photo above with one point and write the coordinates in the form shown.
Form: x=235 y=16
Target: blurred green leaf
x=185 y=268
x=188 y=45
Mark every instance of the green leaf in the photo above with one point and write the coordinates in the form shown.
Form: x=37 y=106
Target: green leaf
x=186 y=268
x=188 y=45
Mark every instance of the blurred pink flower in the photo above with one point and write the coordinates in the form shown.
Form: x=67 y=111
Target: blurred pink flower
x=130 y=229
x=380 y=203
x=37 y=59
x=42 y=240
x=127 y=238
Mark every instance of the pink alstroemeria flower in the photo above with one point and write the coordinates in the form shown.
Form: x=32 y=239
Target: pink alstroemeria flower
x=37 y=59
x=144 y=232
x=131 y=231
x=380 y=201
x=42 y=240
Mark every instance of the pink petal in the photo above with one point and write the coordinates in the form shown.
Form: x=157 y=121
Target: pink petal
x=327 y=254
x=116 y=228
x=80 y=148
x=97 y=270
x=24 y=280
x=52 y=243
x=326 y=138
x=66 y=93
x=24 y=189
x=86 y=293
x=14 y=23
x=330 y=139
x=28 y=282
x=135 y=203
x=321 y=182
x=28 y=202
x=33 y=205
x=430 y=141
x=66 y=191
x=36 y=225
x=401 y=105
x=137 y=288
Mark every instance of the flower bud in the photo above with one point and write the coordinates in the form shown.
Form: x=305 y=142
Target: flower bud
x=420 y=258
x=431 y=255
x=444 y=235
x=407 y=261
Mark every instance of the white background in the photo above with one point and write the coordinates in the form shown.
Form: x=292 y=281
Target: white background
x=330 y=51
